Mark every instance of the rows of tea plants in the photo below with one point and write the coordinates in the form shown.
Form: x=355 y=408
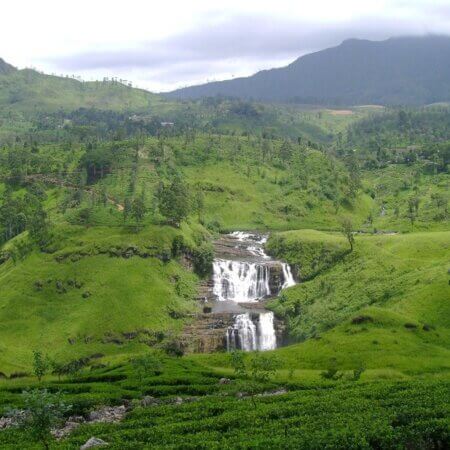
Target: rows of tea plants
x=348 y=415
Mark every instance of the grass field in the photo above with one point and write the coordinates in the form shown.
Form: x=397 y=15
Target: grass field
x=43 y=304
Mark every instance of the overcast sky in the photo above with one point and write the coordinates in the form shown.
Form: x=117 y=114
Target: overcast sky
x=162 y=45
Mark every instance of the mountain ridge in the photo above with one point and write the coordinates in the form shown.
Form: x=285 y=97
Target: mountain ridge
x=398 y=71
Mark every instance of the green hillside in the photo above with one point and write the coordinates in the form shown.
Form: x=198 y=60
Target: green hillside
x=387 y=301
x=103 y=291
x=29 y=91
x=107 y=223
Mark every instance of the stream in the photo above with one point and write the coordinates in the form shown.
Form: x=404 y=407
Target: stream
x=244 y=276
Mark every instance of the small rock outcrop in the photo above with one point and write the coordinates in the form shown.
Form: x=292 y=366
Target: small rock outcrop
x=93 y=442
x=108 y=414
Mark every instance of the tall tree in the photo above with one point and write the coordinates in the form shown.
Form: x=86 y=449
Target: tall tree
x=174 y=201
x=348 y=231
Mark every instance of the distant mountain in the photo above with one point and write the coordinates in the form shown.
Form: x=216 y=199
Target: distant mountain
x=405 y=70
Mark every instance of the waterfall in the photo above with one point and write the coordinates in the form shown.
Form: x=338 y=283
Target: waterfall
x=266 y=332
x=240 y=281
x=247 y=335
x=288 y=279
x=245 y=330
x=245 y=281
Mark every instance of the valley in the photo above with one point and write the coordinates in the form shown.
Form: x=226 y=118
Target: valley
x=220 y=272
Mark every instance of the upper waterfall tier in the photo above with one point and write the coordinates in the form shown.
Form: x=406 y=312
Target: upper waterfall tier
x=240 y=281
x=244 y=273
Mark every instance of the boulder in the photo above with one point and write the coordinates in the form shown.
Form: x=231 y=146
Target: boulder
x=93 y=442
x=224 y=381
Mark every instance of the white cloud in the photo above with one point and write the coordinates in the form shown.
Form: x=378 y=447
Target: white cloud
x=162 y=45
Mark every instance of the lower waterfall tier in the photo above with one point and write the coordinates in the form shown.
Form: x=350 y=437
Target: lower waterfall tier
x=252 y=332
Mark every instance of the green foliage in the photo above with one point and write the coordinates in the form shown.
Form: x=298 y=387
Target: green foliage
x=147 y=365
x=203 y=257
x=174 y=201
x=348 y=231
x=40 y=364
x=43 y=411
x=262 y=367
x=237 y=362
x=336 y=414
x=138 y=210
x=357 y=373
x=332 y=372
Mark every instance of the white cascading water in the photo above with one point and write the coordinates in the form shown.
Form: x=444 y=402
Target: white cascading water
x=240 y=281
x=247 y=282
x=287 y=276
x=267 y=339
x=246 y=335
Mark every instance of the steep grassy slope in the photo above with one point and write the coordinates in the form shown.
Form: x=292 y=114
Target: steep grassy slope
x=387 y=303
x=102 y=283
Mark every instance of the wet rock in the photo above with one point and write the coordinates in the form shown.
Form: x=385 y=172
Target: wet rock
x=224 y=381
x=93 y=442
